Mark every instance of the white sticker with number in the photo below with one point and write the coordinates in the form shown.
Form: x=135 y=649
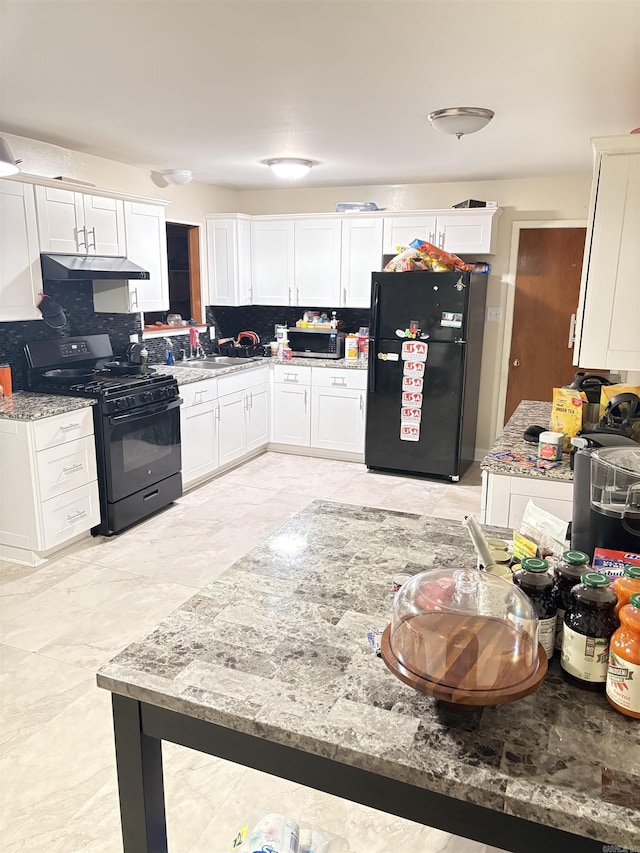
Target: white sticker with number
x=410 y=414
x=414 y=351
x=412 y=398
x=409 y=432
x=413 y=368
x=412 y=383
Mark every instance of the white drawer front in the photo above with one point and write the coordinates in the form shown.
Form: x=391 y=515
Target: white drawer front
x=70 y=514
x=66 y=467
x=293 y=375
x=59 y=429
x=241 y=380
x=196 y=393
x=325 y=377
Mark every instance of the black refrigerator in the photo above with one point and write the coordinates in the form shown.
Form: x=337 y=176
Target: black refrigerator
x=422 y=400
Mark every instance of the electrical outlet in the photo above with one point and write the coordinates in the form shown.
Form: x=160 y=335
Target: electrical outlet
x=494 y=315
x=212 y=333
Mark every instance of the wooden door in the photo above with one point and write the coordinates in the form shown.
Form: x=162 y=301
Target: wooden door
x=547 y=287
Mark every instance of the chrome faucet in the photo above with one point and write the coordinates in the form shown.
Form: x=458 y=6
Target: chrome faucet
x=183 y=354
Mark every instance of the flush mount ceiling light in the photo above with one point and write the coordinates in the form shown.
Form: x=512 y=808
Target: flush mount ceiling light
x=178 y=177
x=289 y=167
x=8 y=166
x=458 y=121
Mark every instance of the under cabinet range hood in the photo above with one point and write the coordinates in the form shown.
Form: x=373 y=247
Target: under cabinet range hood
x=84 y=267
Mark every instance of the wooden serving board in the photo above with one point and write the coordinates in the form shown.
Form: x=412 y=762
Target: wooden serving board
x=465 y=660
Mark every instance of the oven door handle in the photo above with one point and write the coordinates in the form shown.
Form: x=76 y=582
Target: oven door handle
x=146 y=412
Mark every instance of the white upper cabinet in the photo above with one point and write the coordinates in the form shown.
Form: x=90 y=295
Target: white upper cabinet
x=361 y=255
x=607 y=331
x=146 y=236
x=460 y=231
x=317 y=262
x=229 y=260
x=73 y=222
x=402 y=230
x=20 y=275
x=272 y=261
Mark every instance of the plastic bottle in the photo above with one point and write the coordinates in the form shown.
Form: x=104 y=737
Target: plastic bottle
x=144 y=355
x=626 y=586
x=334 y=320
x=567 y=573
x=534 y=579
x=351 y=347
x=275 y=832
x=623 y=674
x=588 y=625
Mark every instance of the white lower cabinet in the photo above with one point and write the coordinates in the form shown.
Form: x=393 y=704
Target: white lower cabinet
x=231 y=433
x=257 y=417
x=48 y=489
x=504 y=498
x=320 y=407
x=199 y=442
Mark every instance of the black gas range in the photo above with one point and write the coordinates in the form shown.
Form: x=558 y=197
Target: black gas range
x=136 y=424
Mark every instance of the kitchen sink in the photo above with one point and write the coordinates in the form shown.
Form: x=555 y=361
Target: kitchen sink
x=216 y=362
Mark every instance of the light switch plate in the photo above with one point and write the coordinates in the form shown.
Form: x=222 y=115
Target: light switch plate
x=494 y=315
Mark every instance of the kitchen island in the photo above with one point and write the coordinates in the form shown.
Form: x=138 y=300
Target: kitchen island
x=269 y=667
x=507 y=487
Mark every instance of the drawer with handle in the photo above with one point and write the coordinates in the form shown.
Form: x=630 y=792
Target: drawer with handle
x=350 y=378
x=70 y=514
x=66 y=467
x=49 y=432
x=196 y=393
x=293 y=375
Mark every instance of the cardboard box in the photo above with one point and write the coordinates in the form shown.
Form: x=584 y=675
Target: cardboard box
x=471 y=202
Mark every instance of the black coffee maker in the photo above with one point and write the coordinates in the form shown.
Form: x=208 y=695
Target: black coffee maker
x=606 y=493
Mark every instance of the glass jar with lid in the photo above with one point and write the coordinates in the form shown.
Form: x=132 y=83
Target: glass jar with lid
x=464 y=637
x=534 y=579
x=588 y=625
x=566 y=571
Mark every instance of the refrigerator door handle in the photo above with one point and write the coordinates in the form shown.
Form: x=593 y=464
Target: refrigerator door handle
x=375 y=304
x=372 y=365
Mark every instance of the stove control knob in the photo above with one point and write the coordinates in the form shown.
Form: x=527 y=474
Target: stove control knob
x=147 y=396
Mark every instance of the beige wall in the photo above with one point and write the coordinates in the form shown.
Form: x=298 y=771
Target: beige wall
x=527 y=199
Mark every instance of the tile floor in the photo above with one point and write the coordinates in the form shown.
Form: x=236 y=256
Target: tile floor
x=60 y=622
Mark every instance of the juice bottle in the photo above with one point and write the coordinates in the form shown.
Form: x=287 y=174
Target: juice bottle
x=626 y=586
x=623 y=675
x=566 y=574
x=534 y=579
x=588 y=625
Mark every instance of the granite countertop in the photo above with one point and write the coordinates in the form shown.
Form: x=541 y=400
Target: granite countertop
x=27 y=406
x=186 y=375
x=276 y=647
x=528 y=413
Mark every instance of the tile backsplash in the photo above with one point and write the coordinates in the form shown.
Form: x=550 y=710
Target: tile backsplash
x=76 y=299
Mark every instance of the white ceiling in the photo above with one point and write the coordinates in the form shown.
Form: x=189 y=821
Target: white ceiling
x=217 y=87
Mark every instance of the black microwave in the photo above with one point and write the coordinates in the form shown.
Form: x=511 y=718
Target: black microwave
x=316 y=343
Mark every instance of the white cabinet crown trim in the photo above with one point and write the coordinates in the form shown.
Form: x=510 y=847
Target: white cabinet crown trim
x=85 y=189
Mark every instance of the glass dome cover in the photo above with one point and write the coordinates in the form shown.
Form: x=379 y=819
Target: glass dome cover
x=464 y=636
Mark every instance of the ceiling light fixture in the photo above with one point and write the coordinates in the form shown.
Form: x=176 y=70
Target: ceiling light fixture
x=289 y=167
x=458 y=121
x=8 y=166
x=178 y=177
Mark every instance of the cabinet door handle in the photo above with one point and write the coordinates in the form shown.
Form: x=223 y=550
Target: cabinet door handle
x=67 y=427
x=344 y=297
x=339 y=381
x=134 y=298
x=218 y=412
x=289 y=296
x=76 y=516
x=251 y=398
x=432 y=237
x=297 y=296
x=572 y=331
x=246 y=403
x=290 y=377
x=361 y=403
x=78 y=466
x=441 y=239
x=93 y=245
x=305 y=399
x=81 y=242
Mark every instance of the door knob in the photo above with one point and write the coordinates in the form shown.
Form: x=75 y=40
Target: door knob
x=516 y=362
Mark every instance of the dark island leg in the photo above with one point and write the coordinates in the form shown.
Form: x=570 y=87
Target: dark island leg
x=140 y=782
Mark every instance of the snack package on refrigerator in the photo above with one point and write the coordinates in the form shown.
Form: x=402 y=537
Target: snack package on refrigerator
x=277 y=833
